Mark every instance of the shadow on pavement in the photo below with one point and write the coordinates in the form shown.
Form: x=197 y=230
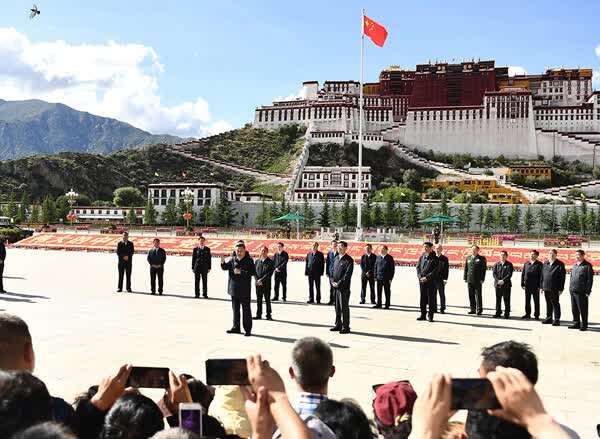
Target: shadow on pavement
x=29 y=296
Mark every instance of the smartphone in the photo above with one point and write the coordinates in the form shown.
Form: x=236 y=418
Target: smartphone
x=473 y=394
x=190 y=417
x=227 y=372
x=149 y=377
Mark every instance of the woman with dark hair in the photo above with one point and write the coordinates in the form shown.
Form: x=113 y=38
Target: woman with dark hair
x=133 y=416
x=46 y=430
x=346 y=419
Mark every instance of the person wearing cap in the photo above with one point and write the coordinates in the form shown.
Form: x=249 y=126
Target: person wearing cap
x=392 y=409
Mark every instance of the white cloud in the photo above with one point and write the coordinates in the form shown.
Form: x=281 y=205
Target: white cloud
x=300 y=95
x=598 y=50
x=516 y=70
x=112 y=80
x=596 y=77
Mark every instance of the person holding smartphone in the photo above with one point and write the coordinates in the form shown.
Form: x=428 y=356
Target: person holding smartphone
x=125 y=251
x=157 y=258
x=241 y=269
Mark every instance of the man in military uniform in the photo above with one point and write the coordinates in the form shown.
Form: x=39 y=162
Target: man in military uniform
x=502 y=272
x=314 y=269
x=157 y=258
x=264 y=270
x=281 y=260
x=201 y=264
x=474 y=276
x=125 y=253
x=552 y=286
x=580 y=287
x=428 y=272
x=340 y=280
x=530 y=282
x=440 y=284
x=367 y=268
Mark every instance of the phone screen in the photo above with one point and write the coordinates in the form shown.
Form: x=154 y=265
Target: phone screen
x=473 y=394
x=149 y=377
x=226 y=372
x=191 y=420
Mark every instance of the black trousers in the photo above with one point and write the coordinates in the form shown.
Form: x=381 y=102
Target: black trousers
x=552 y=304
x=440 y=287
x=1 y=274
x=342 y=309
x=197 y=276
x=281 y=279
x=246 y=315
x=579 y=306
x=475 y=297
x=385 y=286
x=125 y=270
x=428 y=298
x=314 y=283
x=263 y=292
x=503 y=295
x=156 y=273
x=332 y=293
x=532 y=292
x=364 y=280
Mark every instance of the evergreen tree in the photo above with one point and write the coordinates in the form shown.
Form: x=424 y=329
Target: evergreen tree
x=564 y=220
x=23 y=206
x=389 y=216
x=488 y=219
x=283 y=207
x=469 y=214
x=528 y=221
x=444 y=204
x=225 y=215
x=49 y=211
x=574 y=222
x=377 y=216
x=553 y=220
x=11 y=210
x=583 y=217
x=427 y=211
x=325 y=215
x=207 y=215
x=169 y=215
x=131 y=217
x=34 y=218
x=309 y=215
x=597 y=225
x=345 y=213
x=335 y=215
x=400 y=217
x=513 y=221
x=499 y=220
x=480 y=217
x=366 y=213
x=264 y=216
x=150 y=213
x=412 y=212
x=462 y=217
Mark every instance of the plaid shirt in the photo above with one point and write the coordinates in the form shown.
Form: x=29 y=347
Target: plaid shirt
x=307 y=403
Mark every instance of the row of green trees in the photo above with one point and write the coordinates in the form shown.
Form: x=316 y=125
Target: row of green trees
x=221 y=215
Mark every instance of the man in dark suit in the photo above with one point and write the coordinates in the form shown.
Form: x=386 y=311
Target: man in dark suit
x=332 y=254
x=201 y=264
x=157 y=258
x=241 y=268
x=530 y=282
x=367 y=268
x=552 y=286
x=2 y=259
x=428 y=272
x=343 y=266
x=314 y=269
x=125 y=253
x=281 y=259
x=580 y=287
x=474 y=276
x=502 y=272
x=264 y=270
x=440 y=284
x=385 y=268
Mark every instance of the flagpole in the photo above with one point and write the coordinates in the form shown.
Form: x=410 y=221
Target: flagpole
x=360 y=130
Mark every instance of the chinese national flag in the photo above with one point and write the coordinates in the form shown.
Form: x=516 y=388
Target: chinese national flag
x=374 y=30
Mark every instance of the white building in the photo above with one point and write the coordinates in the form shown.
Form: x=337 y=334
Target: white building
x=334 y=183
x=110 y=214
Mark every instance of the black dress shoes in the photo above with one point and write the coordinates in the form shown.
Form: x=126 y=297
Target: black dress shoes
x=336 y=329
x=234 y=331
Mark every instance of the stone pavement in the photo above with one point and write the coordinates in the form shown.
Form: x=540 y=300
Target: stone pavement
x=83 y=330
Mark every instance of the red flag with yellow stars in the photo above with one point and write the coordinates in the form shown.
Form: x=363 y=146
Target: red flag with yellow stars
x=375 y=31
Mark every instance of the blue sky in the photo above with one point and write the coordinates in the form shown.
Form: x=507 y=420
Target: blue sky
x=208 y=64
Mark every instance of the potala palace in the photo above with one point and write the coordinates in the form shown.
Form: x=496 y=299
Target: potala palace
x=471 y=107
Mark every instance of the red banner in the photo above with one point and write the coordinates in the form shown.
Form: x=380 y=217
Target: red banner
x=404 y=254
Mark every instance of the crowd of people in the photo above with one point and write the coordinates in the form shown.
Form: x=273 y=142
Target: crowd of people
x=108 y=409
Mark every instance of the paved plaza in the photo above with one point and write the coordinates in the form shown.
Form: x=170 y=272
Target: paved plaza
x=83 y=330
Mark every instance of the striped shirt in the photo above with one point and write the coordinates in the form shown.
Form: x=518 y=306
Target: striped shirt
x=307 y=403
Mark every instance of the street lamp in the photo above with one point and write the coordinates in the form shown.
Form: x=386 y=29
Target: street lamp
x=71 y=199
x=188 y=200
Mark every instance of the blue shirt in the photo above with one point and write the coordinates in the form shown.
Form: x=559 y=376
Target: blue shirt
x=307 y=403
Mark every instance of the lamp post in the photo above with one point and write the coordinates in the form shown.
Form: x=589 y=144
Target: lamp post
x=71 y=199
x=188 y=200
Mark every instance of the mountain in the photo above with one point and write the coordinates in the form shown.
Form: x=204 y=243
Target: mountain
x=37 y=127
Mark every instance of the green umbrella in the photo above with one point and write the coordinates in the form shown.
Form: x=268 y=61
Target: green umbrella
x=292 y=216
x=439 y=219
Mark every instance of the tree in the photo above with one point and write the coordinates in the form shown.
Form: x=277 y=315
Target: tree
x=412 y=180
x=514 y=219
x=564 y=220
x=48 y=211
x=127 y=197
x=150 y=213
x=488 y=218
x=377 y=216
x=528 y=220
x=206 y=215
x=480 y=217
x=309 y=215
x=469 y=214
x=264 y=216
x=324 y=216
x=23 y=206
x=583 y=217
x=591 y=221
x=499 y=220
x=353 y=214
x=334 y=213
x=389 y=216
x=225 y=215
x=400 y=216
x=131 y=217
x=11 y=209
x=367 y=213
x=244 y=219
x=169 y=215
x=427 y=211
x=345 y=213
x=412 y=213
x=34 y=217
x=444 y=204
